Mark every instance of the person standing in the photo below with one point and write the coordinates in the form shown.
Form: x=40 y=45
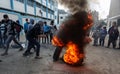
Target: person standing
x=46 y=32
x=18 y=30
x=10 y=33
x=113 y=35
x=31 y=37
x=3 y=35
x=103 y=33
x=119 y=42
x=52 y=30
x=96 y=36
x=26 y=26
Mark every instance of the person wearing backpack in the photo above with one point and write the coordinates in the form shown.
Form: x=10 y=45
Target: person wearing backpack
x=31 y=37
x=18 y=30
x=10 y=33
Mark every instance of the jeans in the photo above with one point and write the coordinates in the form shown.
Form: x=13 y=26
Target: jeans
x=31 y=43
x=8 y=41
x=112 y=41
x=102 y=41
x=57 y=53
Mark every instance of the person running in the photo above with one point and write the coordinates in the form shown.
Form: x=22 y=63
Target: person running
x=103 y=33
x=10 y=33
x=31 y=37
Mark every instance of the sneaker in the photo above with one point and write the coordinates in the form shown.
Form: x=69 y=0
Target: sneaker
x=37 y=57
x=21 y=49
x=55 y=60
x=30 y=52
x=4 y=54
x=25 y=54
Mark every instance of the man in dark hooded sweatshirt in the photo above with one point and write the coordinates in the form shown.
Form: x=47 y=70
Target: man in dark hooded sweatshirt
x=32 y=34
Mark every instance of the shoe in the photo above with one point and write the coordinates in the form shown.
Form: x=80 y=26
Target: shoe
x=30 y=52
x=118 y=48
x=25 y=54
x=0 y=60
x=107 y=47
x=21 y=49
x=4 y=54
x=37 y=57
x=55 y=60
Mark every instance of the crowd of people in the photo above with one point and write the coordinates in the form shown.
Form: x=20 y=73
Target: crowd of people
x=10 y=31
x=113 y=36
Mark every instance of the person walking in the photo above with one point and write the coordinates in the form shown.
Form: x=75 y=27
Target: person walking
x=113 y=35
x=31 y=37
x=103 y=33
x=10 y=33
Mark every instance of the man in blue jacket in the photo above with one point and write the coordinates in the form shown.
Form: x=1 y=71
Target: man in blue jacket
x=103 y=33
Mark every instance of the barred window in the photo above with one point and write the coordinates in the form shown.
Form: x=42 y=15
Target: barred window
x=30 y=2
x=38 y=5
x=22 y=1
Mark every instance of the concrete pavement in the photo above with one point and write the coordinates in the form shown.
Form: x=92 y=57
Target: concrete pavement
x=99 y=60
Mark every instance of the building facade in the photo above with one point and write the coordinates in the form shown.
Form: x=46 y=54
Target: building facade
x=45 y=10
x=61 y=16
x=114 y=13
x=95 y=16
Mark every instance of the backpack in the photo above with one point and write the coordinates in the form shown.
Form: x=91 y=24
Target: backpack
x=18 y=28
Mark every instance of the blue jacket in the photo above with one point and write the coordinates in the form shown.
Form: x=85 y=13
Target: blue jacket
x=103 y=33
x=46 y=28
x=26 y=26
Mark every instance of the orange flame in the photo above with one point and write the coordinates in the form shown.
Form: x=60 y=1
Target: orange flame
x=56 y=41
x=73 y=55
x=86 y=27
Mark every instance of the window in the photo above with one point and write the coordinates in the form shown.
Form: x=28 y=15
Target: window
x=30 y=3
x=22 y=1
x=44 y=9
x=38 y=5
x=61 y=17
x=55 y=17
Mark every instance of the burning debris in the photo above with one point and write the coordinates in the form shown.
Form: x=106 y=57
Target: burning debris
x=73 y=33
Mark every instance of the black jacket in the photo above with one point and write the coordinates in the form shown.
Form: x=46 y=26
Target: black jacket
x=9 y=27
x=35 y=31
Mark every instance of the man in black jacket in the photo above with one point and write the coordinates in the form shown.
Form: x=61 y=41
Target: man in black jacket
x=32 y=34
x=10 y=33
x=113 y=35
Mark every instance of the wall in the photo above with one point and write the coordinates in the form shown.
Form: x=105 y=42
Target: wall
x=18 y=6
x=5 y=4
